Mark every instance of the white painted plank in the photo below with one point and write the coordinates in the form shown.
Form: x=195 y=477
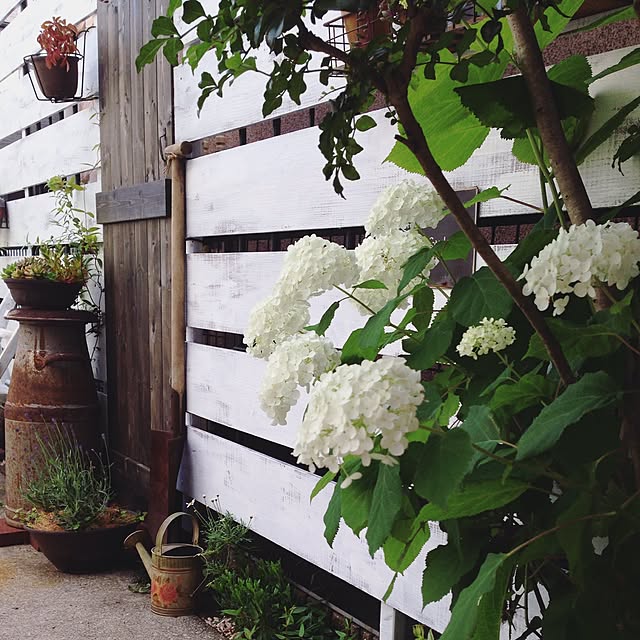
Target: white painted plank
x=19 y=105
x=64 y=148
x=273 y=498
x=393 y=625
x=31 y=218
x=19 y=38
x=9 y=9
x=223 y=386
x=288 y=190
x=8 y=352
x=241 y=104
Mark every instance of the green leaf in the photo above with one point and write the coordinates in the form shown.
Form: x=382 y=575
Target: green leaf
x=352 y=351
x=446 y=564
x=173 y=6
x=456 y=247
x=483 y=431
x=479 y=296
x=372 y=336
x=371 y=284
x=435 y=343
x=192 y=11
x=627 y=61
x=574 y=71
x=443 y=465
x=322 y=483
x=356 y=501
x=629 y=147
x=423 y=301
x=415 y=265
x=579 y=343
x=172 y=47
x=331 y=517
x=491 y=608
x=529 y=390
x=326 y=320
x=619 y=15
x=400 y=554
x=464 y=615
x=505 y=104
x=593 y=391
x=572 y=534
x=385 y=505
x=473 y=498
x=364 y=123
x=163 y=26
x=148 y=53
x=529 y=247
x=605 y=131
x=484 y=196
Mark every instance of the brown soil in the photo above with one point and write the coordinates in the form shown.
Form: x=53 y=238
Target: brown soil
x=113 y=516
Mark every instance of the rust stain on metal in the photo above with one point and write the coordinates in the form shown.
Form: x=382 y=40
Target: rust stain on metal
x=52 y=387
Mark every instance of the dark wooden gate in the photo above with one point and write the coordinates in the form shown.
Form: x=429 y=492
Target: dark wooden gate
x=135 y=125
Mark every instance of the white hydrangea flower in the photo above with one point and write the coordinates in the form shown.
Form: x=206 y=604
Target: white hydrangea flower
x=298 y=361
x=403 y=206
x=272 y=321
x=489 y=335
x=353 y=405
x=382 y=258
x=313 y=265
x=578 y=259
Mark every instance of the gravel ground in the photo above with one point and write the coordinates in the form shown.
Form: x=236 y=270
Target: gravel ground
x=39 y=603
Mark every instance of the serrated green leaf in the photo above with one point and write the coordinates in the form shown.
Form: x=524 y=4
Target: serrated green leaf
x=445 y=565
x=484 y=196
x=423 y=301
x=356 y=501
x=331 y=517
x=352 y=351
x=629 y=147
x=605 y=131
x=322 y=483
x=464 y=615
x=371 y=337
x=491 y=607
x=593 y=391
x=529 y=390
x=385 y=505
x=479 y=296
x=574 y=71
x=627 y=61
x=400 y=554
x=434 y=345
x=443 y=465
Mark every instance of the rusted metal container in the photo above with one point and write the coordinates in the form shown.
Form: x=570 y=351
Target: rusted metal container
x=52 y=387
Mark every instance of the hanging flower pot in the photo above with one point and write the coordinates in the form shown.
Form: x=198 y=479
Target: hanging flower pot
x=58 y=82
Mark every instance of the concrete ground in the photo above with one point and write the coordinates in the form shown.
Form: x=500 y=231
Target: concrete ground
x=37 y=602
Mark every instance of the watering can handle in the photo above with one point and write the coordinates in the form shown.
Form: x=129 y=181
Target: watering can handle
x=162 y=531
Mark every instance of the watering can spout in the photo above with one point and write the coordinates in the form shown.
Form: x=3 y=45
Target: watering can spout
x=135 y=541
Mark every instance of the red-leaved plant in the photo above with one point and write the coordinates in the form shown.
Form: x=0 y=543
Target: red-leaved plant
x=58 y=39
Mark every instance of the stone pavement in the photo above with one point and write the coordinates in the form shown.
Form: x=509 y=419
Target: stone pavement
x=37 y=602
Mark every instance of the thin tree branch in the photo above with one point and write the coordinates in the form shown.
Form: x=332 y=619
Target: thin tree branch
x=529 y=60
x=415 y=140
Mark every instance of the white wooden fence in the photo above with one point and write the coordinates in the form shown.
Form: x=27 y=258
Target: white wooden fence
x=41 y=139
x=276 y=185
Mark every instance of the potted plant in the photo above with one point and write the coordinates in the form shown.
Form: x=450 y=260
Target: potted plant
x=54 y=277
x=57 y=66
x=73 y=520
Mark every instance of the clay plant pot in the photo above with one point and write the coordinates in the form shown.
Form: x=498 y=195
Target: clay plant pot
x=88 y=551
x=58 y=82
x=37 y=293
x=362 y=27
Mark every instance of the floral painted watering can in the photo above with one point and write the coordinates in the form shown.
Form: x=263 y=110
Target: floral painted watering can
x=175 y=569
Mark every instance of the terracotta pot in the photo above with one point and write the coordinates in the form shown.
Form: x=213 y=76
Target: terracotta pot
x=36 y=293
x=87 y=551
x=59 y=82
x=362 y=27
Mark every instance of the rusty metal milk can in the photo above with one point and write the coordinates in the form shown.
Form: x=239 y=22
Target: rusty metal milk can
x=52 y=388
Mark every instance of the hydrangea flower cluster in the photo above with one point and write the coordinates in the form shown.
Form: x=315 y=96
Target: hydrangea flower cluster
x=298 y=361
x=382 y=258
x=353 y=405
x=489 y=335
x=403 y=206
x=579 y=258
x=273 y=320
x=314 y=265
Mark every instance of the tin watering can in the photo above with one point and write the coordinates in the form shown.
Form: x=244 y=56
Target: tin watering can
x=175 y=569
